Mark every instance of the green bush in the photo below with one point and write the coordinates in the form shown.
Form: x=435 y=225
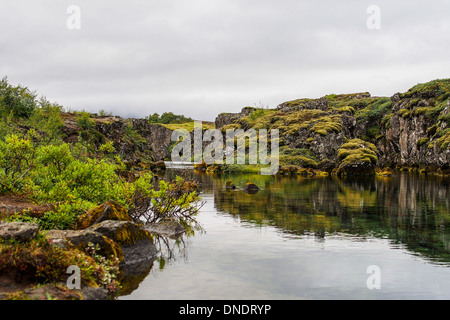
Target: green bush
x=19 y=101
x=85 y=121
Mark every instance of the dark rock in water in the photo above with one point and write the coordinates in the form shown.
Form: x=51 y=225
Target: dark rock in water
x=21 y=231
x=250 y=188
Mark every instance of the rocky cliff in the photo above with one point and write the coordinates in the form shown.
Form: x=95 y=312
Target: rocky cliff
x=341 y=132
x=133 y=139
x=335 y=132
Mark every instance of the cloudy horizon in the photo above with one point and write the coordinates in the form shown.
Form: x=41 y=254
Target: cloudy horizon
x=200 y=58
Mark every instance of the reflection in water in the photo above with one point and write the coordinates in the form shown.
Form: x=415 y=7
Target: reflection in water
x=355 y=220
x=412 y=210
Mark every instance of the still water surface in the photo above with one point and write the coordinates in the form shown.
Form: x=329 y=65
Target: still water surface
x=310 y=238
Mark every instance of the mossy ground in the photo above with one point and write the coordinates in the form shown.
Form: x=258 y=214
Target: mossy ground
x=39 y=262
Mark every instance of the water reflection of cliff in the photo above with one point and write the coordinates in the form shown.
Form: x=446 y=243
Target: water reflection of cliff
x=409 y=210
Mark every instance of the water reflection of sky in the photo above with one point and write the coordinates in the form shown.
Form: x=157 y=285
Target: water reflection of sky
x=236 y=259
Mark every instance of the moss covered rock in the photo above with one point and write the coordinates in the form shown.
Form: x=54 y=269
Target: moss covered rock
x=110 y=210
x=81 y=239
x=250 y=187
x=229 y=184
x=357 y=157
x=136 y=242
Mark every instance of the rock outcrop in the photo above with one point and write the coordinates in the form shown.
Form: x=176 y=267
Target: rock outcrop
x=410 y=129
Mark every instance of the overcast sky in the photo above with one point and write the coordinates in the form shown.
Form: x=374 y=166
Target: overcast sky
x=204 y=57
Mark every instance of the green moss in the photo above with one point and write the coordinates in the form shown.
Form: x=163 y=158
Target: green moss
x=386 y=121
x=189 y=126
x=372 y=109
x=440 y=86
x=420 y=111
x=431 y=131
x=444 y=141
x=422 y=141
x=344 y=109
x=445 y=118
x=404 y=113
x=357 y=150
x=325 y=125
x=38 y=261
x=110 y=210
x=229 y=184
x=298 y=160
x=130 y=234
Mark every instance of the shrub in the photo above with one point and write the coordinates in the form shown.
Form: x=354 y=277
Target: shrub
x=19 y=101
x=85 y=121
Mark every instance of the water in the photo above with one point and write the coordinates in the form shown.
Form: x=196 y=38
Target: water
x=310 y=238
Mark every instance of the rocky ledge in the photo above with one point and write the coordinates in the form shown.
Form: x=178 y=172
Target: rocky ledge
x=109 y=228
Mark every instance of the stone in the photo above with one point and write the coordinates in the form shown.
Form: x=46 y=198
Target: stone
x=20 y=231
x=81 y=238
x=250 y=188
x=136 y=243
x=110 y=210
x=168 y=228
x=229 y=184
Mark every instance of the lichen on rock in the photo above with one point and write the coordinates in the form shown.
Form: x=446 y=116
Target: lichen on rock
x=110 y=210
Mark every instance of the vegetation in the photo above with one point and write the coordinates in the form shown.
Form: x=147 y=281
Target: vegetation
x=38 y=261
x=73 y=176
x=168 y=118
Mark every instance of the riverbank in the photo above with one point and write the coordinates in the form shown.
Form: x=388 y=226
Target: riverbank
x=103 y=259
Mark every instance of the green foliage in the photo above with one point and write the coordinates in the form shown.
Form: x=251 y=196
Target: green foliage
x=437 y=88
x=72 y=182
x=47 y=120
x=374 y=109
x=176 y=199
x=297 y=157
x=167 y=118
x=18 y=101
x=132 y=136
x=85 y=121
x=16 y=160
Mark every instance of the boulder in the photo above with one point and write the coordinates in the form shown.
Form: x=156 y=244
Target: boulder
x=357 y=168
x=136 y=243
x=169 y=228
x=80 y=239
x=229 y=184
x=250 y=188
x=20 y=231
x=110 y=210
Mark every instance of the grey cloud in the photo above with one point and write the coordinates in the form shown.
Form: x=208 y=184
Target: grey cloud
x=203 y=57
